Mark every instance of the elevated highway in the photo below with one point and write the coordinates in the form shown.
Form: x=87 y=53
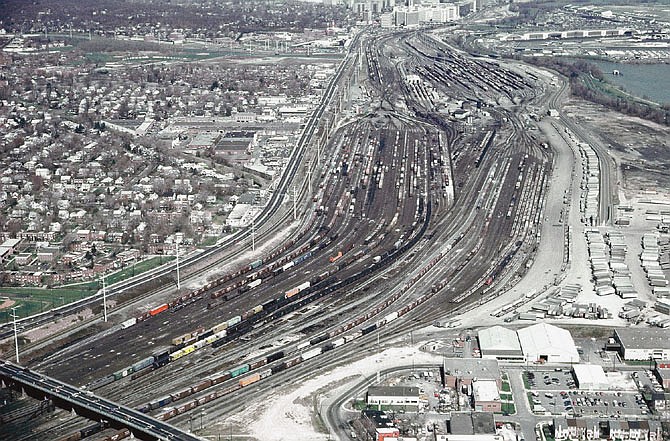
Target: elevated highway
x=86 y=404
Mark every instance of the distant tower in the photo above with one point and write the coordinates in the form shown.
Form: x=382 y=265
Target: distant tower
x=474 y=5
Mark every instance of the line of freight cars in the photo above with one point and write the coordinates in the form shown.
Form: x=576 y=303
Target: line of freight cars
x=296 y=257
x=265 y=373
x=92 y=430
x=238 y=325
x=294 y=360
x=289 y=363
x=213 y=380
x=190 y=342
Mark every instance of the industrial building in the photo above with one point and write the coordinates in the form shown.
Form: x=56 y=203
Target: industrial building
x=458 y=373
x=486 y=396
x=500 y=343
x=662 y=372
x=470 y=426
x=643 y=343
x=406 y=398
x=548 y=344
x=590 y=377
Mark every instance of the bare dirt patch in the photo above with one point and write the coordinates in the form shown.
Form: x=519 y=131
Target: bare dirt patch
x=7 y=303
x=640 y=147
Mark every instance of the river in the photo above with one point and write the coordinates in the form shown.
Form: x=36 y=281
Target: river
x=642 y=80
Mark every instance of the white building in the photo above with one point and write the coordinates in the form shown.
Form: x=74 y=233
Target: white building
x=393 y=396
x=241 y=216
x=643 y=343
x=590 y=377
x=548 y=343
x=500 y=343
x=486 y=396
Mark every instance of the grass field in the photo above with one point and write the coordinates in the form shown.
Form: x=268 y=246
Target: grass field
x=33 y=300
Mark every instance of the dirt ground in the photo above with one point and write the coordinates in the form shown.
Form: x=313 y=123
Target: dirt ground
x=641 y=148
x=7 y=303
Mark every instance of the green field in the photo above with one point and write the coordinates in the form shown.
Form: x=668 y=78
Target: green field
x=508 y=409
x=33 y=300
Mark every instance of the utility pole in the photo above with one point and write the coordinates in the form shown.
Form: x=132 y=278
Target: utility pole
x=378 y=356
x=309 y=178
x=178 y=282
x=104 y=298
x=295 y=203
x=16 y=334
x=253 y=236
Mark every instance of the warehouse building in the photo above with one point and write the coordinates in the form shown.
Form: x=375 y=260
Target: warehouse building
x=643 y=343
x=590 y=377
x=500 y=343
x=548 y=344
x=406 y=398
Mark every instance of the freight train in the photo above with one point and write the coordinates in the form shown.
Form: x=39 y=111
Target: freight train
x=294 y=359
x=220 y=334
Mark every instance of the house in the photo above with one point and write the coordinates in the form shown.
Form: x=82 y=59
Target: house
x=575 y=428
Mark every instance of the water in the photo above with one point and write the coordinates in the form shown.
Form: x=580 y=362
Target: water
x=642 y=80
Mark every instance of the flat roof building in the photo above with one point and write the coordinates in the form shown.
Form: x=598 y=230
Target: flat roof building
x=643 y=343
x=548 y=343
x=486 y=396
x=590 y=377
x=472 y=423
x=394 y=396
x=662 y=372
x=500 y=343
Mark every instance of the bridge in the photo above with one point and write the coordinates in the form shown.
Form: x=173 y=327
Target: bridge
x=88 y=405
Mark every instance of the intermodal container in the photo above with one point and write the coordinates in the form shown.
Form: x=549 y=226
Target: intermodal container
x=310 y=354
x=143 y=364
x=235 y=320
x=128 y=323
x=246 y=381
x=220 y=327
x=291 y=292
x=243 y=369
x=158 y=309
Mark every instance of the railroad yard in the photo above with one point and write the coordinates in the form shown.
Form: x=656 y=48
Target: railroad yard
x=417 y=194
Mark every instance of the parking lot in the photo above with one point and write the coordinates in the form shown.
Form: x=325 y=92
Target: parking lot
x=554 y=392
x=598 y=404
x=558 y=379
